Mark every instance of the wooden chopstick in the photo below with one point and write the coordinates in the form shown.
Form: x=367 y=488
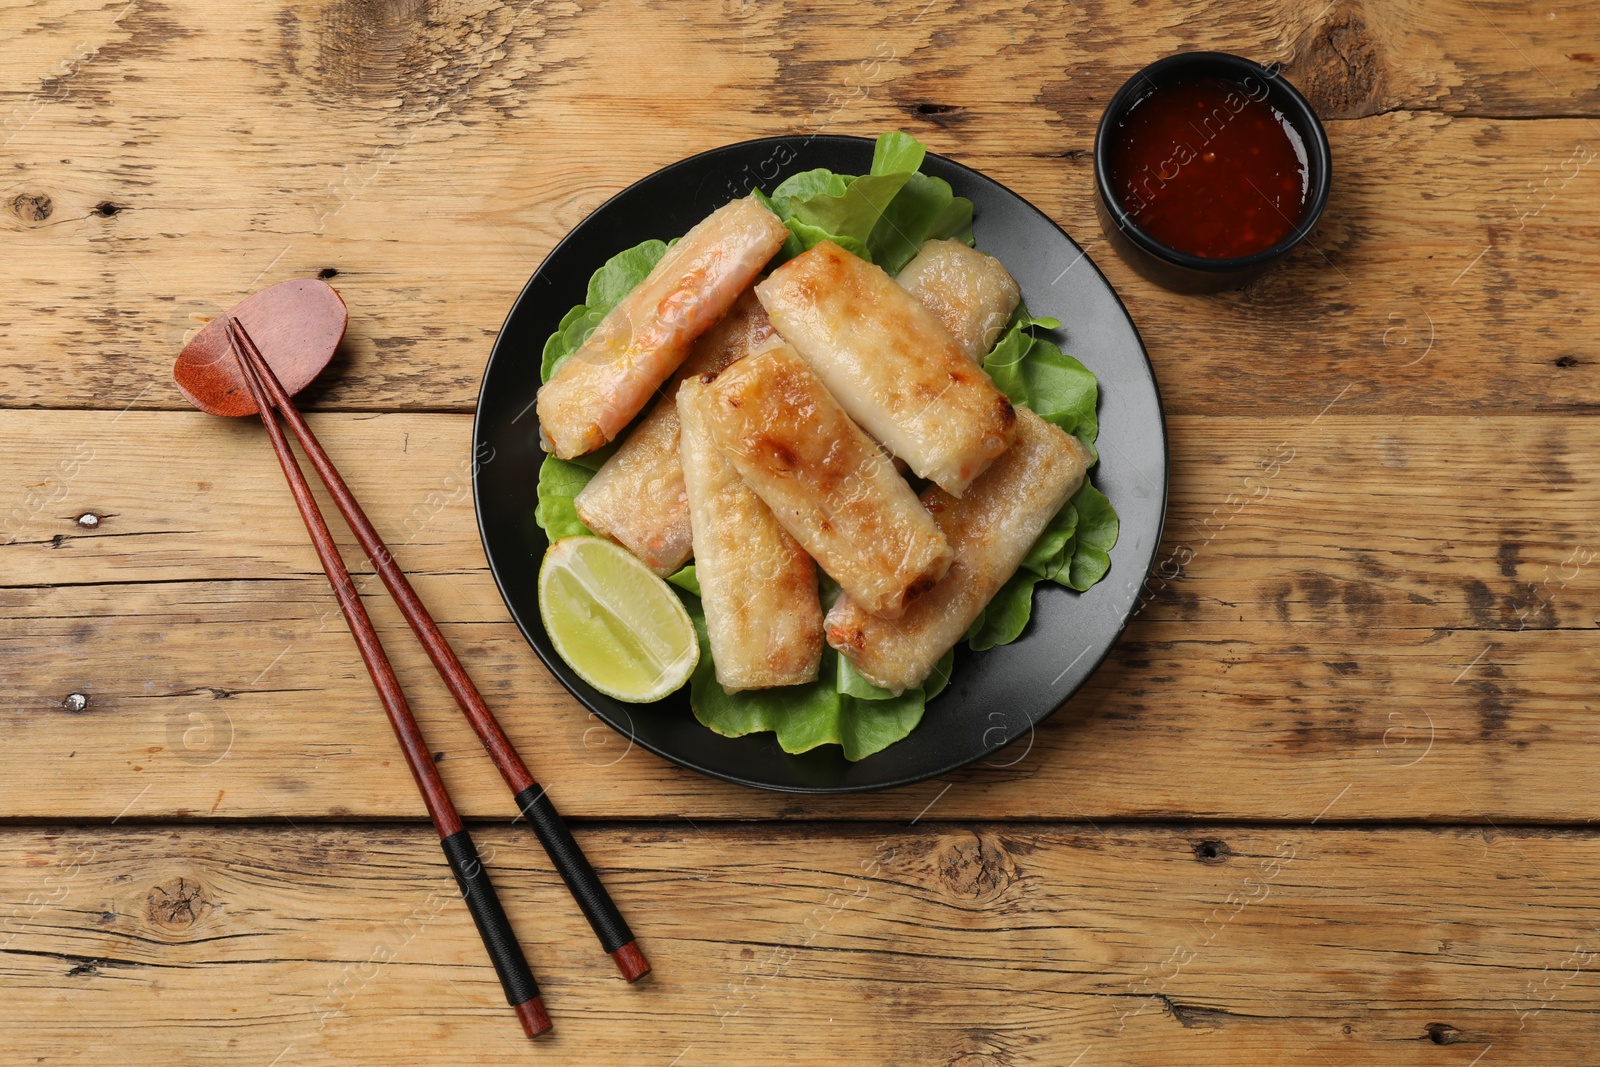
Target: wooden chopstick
x=569 y=861
x=522 y=992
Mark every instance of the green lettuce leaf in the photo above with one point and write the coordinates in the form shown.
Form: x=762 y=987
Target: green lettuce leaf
x=839 y=708
x=939 y=677
x=925 y=210
x=623 y=271
x=883 y=216
x=1074 y=550
x=1051 y=555
x=897 y=152
x=809 y=185
x=1035 y=373
x=852 y=684
x=868 y=726
x=559 y=482
x=1003 y=618
x=1097 y=534
x=851 y=212
x=685 y=579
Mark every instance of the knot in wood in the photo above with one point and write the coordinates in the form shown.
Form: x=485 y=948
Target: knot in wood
x=974 y=1059
x=31 y=207
x=178 y=904
x=979 y=1048
x=1338 y=67
x=1443 y=1034
x=975 y=867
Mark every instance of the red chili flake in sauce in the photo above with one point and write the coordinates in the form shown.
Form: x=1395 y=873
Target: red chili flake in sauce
x=1211 y=169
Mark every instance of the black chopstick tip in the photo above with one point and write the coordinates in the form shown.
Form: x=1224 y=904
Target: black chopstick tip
x=631 y=962
x=535 y=1020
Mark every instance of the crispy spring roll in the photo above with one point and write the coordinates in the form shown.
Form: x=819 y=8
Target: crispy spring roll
x=893 y=367
x=825 y=481
x=757 y=585
x=637 y=497
x=970 y=293
x=607 y=381
x=990 y=529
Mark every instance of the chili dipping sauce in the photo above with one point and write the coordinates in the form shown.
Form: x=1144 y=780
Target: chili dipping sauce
x=1207 y=167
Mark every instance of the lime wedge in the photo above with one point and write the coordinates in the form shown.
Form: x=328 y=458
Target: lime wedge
x=618 y=625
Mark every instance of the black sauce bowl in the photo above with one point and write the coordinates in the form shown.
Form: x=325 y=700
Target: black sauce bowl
x=1161 y=263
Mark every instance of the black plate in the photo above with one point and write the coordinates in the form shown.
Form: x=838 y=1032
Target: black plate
x=994 y=697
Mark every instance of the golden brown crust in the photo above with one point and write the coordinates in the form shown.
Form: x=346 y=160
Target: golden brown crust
x=893 y=367
x=970 y=293
x=824 y=479
x=757 y=585
x=990 y=530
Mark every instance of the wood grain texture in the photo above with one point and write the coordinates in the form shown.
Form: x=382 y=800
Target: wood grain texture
x=947 y=944
x=432 y=161
x=1375 y=601
x=1401 y=606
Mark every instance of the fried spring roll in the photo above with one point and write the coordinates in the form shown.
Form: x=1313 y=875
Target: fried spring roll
x=637 y=497
x=825 y=481
x=893 y=367
x=757 y=585
x=990 y=529
x=970 y=293
x=637 y=346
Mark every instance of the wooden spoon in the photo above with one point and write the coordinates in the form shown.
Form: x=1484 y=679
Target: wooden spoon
x=296 y=324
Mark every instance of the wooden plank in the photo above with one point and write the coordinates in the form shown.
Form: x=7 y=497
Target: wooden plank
x=1396 y=606
x=169 y=169
x=937 y=943
x=1365 y=611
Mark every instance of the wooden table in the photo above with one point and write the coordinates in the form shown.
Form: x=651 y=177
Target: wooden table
x=1330 y=800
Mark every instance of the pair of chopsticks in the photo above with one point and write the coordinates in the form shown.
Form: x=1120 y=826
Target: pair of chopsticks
x=522 y=992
